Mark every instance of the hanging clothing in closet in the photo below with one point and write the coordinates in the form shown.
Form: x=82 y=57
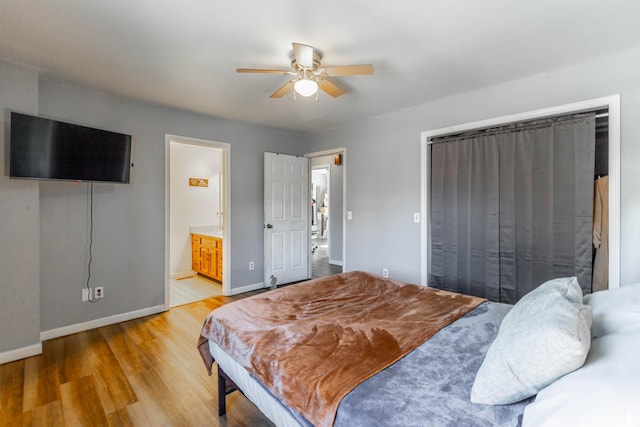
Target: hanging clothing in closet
x=601 y=234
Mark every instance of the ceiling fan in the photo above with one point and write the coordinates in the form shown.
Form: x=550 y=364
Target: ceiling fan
x=309 y=74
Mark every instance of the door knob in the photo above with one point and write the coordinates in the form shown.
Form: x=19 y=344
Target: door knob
x=269 y=226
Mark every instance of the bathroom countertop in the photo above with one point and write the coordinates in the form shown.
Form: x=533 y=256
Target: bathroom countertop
x=207 y=230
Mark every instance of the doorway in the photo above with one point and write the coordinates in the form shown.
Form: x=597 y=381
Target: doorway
x=610 y=104
x=327 y=190
x=196 y=191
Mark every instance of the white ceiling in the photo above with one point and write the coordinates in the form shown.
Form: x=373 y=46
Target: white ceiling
x=184 y=53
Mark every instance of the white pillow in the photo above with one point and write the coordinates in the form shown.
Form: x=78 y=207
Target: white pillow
x=543 y=337
x=615 y=310
x=604 y=392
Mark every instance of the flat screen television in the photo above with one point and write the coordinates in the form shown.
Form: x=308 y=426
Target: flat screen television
x=42 y=148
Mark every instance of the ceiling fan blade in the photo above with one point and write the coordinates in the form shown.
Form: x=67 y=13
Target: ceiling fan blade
x=328 y=86
x=262 y=71
x=348 y=70
x=284 y=89
x=303 y=55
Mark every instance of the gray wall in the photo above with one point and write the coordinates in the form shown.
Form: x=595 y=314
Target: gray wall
x=384 y=153
x=44 y=225
x=129 y=220
x=19 y=224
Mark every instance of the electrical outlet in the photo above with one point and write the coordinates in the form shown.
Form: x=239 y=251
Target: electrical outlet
x=252 y=265
x=385 y=272
x=99 y=292
x=86 y=294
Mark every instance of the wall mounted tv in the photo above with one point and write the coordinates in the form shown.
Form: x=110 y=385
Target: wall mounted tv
x=49 y=149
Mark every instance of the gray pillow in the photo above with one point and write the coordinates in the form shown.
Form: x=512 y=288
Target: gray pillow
x=543 y=337
x=567 y=286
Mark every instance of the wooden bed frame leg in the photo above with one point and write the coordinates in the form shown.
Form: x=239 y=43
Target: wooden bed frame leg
x=222 y=393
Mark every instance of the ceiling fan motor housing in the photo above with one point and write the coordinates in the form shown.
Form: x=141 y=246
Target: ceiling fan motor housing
x=317 y=58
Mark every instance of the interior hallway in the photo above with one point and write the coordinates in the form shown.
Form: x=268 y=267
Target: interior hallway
x=320 y=266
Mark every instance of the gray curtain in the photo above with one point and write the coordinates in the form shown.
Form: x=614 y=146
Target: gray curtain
x=512 y=207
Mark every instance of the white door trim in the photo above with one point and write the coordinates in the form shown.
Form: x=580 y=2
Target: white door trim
x=225 y=208
x=611 y=102
x=343 y=151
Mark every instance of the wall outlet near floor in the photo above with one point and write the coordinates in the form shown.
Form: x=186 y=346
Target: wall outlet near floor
x=99 y=292
x=385 y=272
x=252 y=265
x=86 y=294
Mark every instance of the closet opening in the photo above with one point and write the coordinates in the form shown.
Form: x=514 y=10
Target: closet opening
x=487 y=238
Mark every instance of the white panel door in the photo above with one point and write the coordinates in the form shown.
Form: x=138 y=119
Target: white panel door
x=286 y=218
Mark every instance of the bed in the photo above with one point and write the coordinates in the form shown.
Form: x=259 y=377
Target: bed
x=471 y=361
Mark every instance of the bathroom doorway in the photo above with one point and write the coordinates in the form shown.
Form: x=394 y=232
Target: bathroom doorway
x=196 y=172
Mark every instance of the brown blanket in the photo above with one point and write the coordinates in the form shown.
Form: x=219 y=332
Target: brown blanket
x=313 y=342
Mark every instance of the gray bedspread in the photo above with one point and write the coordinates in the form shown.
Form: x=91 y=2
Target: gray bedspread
x=432 y=384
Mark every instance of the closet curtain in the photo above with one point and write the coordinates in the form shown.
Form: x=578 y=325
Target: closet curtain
x=512 y=207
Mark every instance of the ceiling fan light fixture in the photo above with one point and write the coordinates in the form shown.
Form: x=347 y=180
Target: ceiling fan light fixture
x=308 y=76
x=305 y=87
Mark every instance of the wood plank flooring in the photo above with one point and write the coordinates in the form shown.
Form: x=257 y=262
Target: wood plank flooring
x=144 y=372
x=320 y=266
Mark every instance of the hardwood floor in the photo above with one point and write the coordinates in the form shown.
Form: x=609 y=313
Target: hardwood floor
x=144 y=372
x=320 y=266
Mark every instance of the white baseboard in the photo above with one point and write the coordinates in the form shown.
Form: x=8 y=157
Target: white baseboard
x=20 y=353
x=92 y=324
x=183 y=274
x=336 y=262
x=248 y=288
